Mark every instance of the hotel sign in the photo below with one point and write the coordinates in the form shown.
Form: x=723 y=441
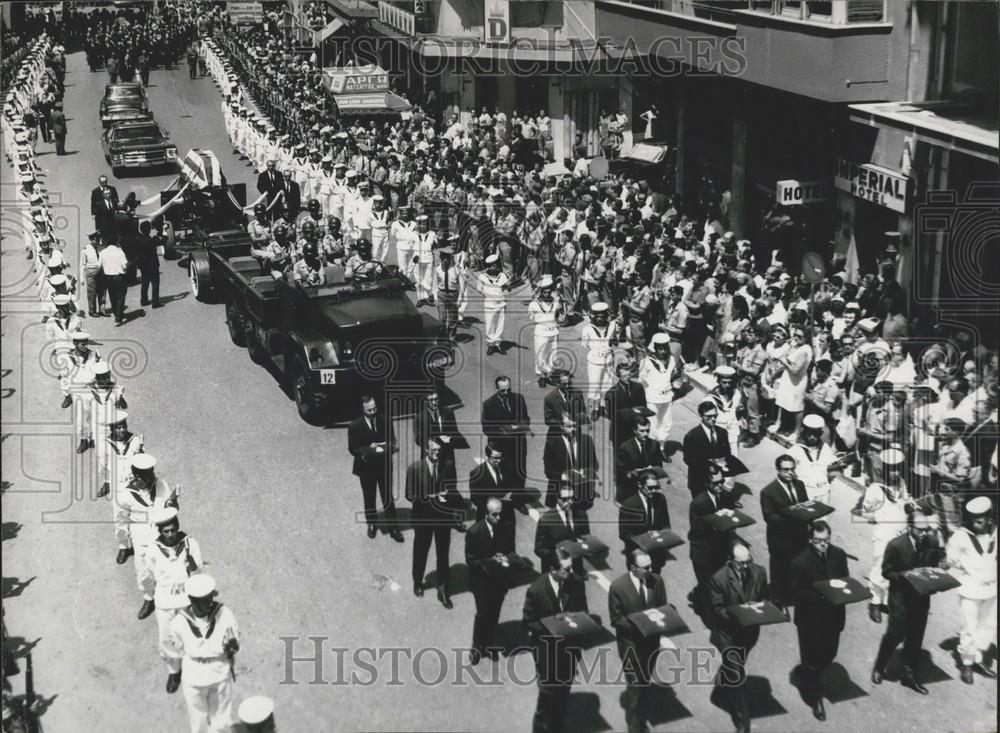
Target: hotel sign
x=796 y=193
x=881 y=186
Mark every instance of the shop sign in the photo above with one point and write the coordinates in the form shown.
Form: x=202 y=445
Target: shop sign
x=796 y=193
x=881 y=186
x=496 y=29
x=245 y=13
x=352 y=80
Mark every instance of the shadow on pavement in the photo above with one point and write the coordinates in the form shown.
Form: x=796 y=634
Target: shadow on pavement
x=13 y=587
x=663 y=706
x=583 y=713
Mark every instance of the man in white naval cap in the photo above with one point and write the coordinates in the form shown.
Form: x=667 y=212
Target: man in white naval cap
x=493 y=284
x=170 y=560
x=115 y=460
x=815 y=462
x=378 y=224
x=204 y=637
x=599 y=336
x=543 y=311
x=76 y=366
x=65 y=321
x=422 y=269
x=659 y=377
x=143 y=493
x=729 y=402
x=972 y=559
x=103 y=399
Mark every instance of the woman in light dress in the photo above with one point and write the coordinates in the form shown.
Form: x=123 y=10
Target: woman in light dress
x=886 y=509
x=791 y=387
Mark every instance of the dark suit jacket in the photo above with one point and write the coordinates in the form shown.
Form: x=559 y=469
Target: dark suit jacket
x=556 y=458
x=145 y=253
x=812 y=612
x=293 y=195
x=480 y=548
x=359 y=437
x=623 y=599
x=899 y=557
x=784 y=534
x=268 y=184
x=555 y=406
x=725 y=590
x=698 y=451
x=482 y=486
x=551 y=531
x=632 y=519
x=628 y=457
x=422 y=491
x=425 y=427
x=708 y=546
x=618 y=404
x=97 y=206
x=541 y=602
x=495 y=415
x=57 y=121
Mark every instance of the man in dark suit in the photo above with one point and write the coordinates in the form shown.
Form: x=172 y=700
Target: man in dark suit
x=436 y=512
x=739 y=581
x=702 y=444
x=621 y=401
x=149 y=264
x=709 y=547
x=292 y=200
x=563 y=400
x=269 y=183
x=787 y=536
x=434 y=421
x=636 y=452
x=643 y=512
x=641 y=588
x=907 y=609
x=372 y=441
x=502 y=411
x=570 y=453
x=488 y=480
x=557 y=591
x=563 y=522
x=57 y=123
x=818 y=622
x=487 y=545
x=103 y=202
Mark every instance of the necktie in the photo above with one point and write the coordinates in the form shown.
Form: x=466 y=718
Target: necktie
x=745 y=577
x=569 y=521
x=645 y=594
x=506 y=404
x=711 y=437
x=572 y=452
x=559 y=595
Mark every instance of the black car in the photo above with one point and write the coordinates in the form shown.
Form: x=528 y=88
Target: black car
x=140 y=144
x=124 y=101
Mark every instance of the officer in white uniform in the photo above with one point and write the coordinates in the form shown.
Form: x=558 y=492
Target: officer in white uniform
x=170 y=560
x=205 y=638
x=379 y=226
x=657 y=375
x=886 y=508
x=103 y=401
x=115 y=459
x=143 y=493
x=599 y=337
x=403 y=234
x=77 y=366
x=338 y=191
x=813 y=459
x=493 y=284
x=972 y=559
x=61 y=325
x=728 y=401
x=423 y=268
x=543 y=311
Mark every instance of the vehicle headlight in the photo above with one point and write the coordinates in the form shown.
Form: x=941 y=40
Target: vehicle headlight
x=171 y=153
x=346 y=350
x=118 y=159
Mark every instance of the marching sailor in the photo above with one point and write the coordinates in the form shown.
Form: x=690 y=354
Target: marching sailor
x=494 y=283
x=729 y=402
x=115 y=460
x=423 y=261
x=657 y=374
x=403 y=234
x=65 y=321
x=599 y=338
x=78 y=366
x=103 y=401
x=380 y=229
x=543 y=311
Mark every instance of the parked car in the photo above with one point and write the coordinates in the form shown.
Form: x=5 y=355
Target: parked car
x=124 y=101
x=140 y=144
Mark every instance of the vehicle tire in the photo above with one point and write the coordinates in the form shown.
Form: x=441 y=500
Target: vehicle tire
x=236 y=323
x=200 y=277
x=311 y=407
x=116 y=171
x=258 y=354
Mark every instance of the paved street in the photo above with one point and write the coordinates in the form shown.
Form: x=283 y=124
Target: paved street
x=273 y=504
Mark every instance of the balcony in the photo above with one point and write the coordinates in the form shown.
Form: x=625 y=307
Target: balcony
x=397 y=18
x=831 y=51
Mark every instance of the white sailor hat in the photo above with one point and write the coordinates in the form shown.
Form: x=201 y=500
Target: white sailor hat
x=327 y=158
x=659 y=339
x=201 y=585
x=101 y=367
x=36 y=195
x=81 y=336
x=725 y=372
x=339 y=165
x=299 y=146
x=813 y=422
x=20 y=137
x=492 y=259
x=599 y=308
x=979 y=505
x=422 y=217
x=545 y=283
x=852 y=306
x=256 y=710
x=119 y=417
x=164 y=515
x=378 y=197
x=892 y=457
x=56 y=259
x=143 y=462
x=325 y=130
x=837 y=299
x=868 y=325
x=56 y=280
x=61 y=298
x=352 y=173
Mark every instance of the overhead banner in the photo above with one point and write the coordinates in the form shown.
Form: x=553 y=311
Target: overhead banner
x=881 y=186
x=357 y=79
x=797 y=193
x=496 y=29
x=245 y=13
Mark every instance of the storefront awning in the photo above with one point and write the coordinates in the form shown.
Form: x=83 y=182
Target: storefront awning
x=374 y=103
x=943 y=124
x=328 y=30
